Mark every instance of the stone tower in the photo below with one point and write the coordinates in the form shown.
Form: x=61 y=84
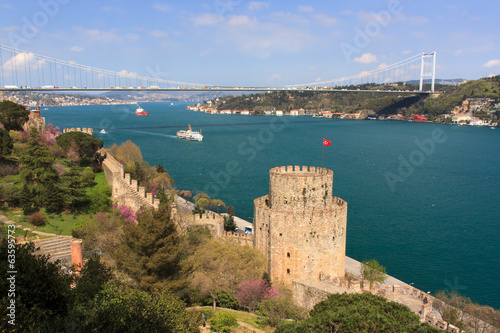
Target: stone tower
x=300 y=226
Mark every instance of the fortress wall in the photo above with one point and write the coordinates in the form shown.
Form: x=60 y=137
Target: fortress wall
x=124 y=190
x=240 y=238
x=308 y=293
x=78 y=129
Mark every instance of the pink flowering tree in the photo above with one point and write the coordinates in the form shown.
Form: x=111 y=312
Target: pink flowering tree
x=49 y=134
x=125 y=213
x=251 y=293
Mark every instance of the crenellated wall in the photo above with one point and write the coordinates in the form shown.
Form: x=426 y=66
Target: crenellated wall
x=78 y=129
x=308 y=293
x=212 y=221
x=124 y=189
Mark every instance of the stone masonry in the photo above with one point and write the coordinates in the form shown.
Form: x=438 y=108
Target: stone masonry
x=300 y=226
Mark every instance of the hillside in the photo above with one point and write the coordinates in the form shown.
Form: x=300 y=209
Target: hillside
x=381 y=104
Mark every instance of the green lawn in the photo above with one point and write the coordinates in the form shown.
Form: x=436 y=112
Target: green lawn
x=59 y=224
x=20 y=234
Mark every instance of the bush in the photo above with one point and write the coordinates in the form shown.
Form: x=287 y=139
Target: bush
x=96 y=167
x=223 y=322
x=37 y=219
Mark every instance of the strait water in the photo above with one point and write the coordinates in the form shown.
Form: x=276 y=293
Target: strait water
x=435 y=224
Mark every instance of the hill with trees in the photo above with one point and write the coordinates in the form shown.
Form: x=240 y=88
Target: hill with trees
x=375 y=103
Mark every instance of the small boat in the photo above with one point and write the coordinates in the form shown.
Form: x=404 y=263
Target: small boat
x=492 y=127
x=103 y=131
x=140 y=111
x=190 y=135
x=171 y=103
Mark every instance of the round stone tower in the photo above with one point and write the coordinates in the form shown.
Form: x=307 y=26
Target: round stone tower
x=300 y=226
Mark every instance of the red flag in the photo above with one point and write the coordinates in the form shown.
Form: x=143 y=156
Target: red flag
x=327 y=142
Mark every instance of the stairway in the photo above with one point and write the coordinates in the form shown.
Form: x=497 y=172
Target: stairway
x=59 y=248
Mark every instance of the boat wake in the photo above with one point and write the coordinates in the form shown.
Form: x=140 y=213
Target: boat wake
x=157 y=134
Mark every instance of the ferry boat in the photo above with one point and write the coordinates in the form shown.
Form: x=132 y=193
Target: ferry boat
x=140 y=111
x=103 y=131
x=190 y=135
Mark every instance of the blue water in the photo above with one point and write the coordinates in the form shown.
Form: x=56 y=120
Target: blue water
x=437 y=227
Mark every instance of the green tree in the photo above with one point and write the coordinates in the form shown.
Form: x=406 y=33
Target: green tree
x=218 y=265
x=229 y=224
x=36 y=173
x=75 y=191
x=357 y=313
x=128 y=153
x=41 y=294
x=87 y=144
x=6 y=143
x=13 y=116
x=276 y=309
x=373 y=271
x=160 y=169
x=150 y=249
x=119 y=308
x=92 y=279
x=223 y=322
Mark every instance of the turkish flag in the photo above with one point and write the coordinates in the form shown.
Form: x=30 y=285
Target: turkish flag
x=327 y=142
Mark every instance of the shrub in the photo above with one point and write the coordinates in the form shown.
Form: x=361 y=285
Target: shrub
x=96 y=167
x=37 y=219
x=223 y=322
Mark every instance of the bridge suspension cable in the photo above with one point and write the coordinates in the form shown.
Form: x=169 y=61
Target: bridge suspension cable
x=23 y=69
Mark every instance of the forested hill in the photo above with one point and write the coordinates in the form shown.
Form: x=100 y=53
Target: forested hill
x=382 y=104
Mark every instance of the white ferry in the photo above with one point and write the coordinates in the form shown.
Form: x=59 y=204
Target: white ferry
x=190 y=135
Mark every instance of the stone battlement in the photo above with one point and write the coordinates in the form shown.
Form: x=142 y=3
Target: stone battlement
x=301 y=171
x=124 y=189
x=78 y=129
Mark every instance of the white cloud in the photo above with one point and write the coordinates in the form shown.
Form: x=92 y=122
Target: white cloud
x=206 y=19
x=307 y=9
x=132 y=36
x=241 y=20
x=325 y=19
x=406 y=52
x=287 y=18
x=97 y=35
x=318 y=79
x=257 y=5
x=110 y=9
x=382 y=65
x=22 y=60
x=76 y=48
x=492 y=63
x=366 y=58
x=458 y=52
x=274 y=77
x=158 y=33
x=162 y=7
x=10 y=28
x=127 y=73
x=385 y=18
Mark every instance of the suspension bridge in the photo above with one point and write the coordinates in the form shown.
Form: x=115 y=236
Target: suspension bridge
x=27 y=71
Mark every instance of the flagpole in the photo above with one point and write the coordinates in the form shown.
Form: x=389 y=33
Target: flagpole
x=322 y=150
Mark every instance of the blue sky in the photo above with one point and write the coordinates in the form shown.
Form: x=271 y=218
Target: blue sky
x=239 y=42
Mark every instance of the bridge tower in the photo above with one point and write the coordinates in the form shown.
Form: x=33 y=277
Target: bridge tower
x=300 y=226
x=423 y=74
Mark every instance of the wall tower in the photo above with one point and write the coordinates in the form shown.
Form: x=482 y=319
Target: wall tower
x=300 y=226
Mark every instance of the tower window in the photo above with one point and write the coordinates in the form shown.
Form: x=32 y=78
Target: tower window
x=333 y=238
x=288 y=271
x=288 y=254
x=281 y=234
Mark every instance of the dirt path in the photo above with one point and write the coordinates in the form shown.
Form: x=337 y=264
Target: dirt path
x=247 y=328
